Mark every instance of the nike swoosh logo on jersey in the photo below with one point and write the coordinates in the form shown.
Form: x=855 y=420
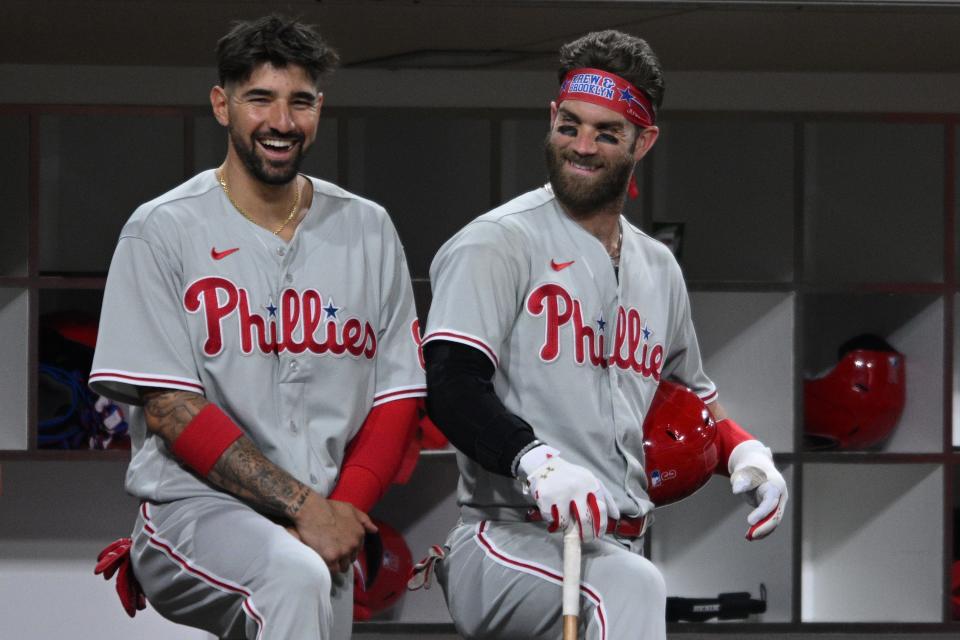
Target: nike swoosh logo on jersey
x=220 y=255
x=560 y=266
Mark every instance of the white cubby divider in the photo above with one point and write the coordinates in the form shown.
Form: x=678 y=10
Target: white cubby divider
x=14 y=379
x=921 y=425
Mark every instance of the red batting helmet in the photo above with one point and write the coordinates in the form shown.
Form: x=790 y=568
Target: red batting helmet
x=679 y=444
x=380 y=572
x=858 y=403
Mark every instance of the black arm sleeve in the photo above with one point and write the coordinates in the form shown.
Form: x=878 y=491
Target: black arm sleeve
x=462 y=403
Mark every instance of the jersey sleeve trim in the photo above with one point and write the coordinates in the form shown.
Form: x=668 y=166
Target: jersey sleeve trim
x=710 y=397
x=399 y=393
x=463 y=338
x=145 y=380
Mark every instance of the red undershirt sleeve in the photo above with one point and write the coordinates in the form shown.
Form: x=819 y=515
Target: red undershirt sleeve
x=729 y=435
x=375 y=453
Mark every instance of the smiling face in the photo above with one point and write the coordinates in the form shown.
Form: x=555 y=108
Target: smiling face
x=271 y=119
x=591 y=152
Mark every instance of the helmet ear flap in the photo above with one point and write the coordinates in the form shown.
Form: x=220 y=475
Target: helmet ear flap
x=679 y=444
x=381 y=571
x=858 y=403
x=373 y=550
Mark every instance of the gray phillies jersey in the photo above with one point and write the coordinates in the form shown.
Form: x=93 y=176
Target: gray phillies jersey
x=578 y=354
x=295 y=342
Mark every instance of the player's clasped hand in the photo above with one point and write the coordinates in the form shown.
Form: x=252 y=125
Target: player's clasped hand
x=753 y=474
x=334 y=529
x=567 y=494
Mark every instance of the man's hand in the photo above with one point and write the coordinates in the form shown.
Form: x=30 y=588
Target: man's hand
x=567 y=494
x=333 y=529
x=752 y=473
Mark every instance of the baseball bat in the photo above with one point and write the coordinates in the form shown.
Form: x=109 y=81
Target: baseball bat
x=571 y=583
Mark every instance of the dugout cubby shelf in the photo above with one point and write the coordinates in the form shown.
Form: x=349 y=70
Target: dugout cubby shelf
x=746 y=340
x=890 y=534
x=452 y=192
x=912 y=324
x=737 y=216
x=15 y=194
x=799 y=231
x=700 y=547
x=521 y=154
x=874 y=201
x=83 y=203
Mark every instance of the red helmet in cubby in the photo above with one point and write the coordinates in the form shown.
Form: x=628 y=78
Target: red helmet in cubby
x=859 y=402
x=380 y=572
x=76 y=326
x=679 y=444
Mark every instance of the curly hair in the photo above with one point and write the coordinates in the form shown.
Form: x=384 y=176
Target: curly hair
x=627 y=56
x=278 y=40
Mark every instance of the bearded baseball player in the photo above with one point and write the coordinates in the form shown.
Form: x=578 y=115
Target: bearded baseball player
x=268 y=343
x=553 y=321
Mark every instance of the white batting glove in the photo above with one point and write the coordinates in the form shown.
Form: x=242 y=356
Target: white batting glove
x=752 y=473
x=567 y=494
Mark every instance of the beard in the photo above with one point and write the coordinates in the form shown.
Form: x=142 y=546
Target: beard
x=263 y=169
x=580 y=194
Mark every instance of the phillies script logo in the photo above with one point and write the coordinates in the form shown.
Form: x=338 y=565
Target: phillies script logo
x=305 y=324
x=631 y=348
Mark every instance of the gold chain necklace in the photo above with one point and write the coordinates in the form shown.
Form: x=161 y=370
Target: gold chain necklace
x=293 y=211
x=615 y=257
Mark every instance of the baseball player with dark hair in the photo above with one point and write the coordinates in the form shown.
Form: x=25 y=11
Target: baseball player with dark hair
x=553 y=321
x=268 y=341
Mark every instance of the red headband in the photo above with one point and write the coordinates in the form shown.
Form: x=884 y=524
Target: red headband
x=610 y=91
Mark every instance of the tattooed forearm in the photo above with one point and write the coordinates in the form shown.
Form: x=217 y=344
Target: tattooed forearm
x=241 y=470
x=245 y=472
x=169 y=412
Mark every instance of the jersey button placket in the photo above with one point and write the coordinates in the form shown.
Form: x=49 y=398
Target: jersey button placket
x=615 y=377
